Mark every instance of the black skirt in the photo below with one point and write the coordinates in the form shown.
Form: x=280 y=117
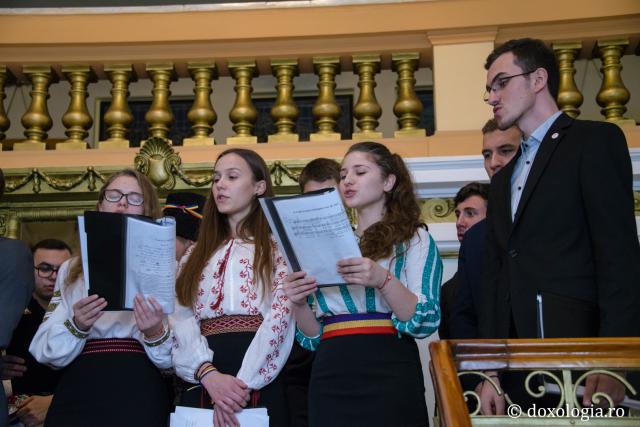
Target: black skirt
x=110 y=389
x=228 y=353
x=367 y=380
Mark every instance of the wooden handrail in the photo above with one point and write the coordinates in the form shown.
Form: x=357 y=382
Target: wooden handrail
x=582 y=354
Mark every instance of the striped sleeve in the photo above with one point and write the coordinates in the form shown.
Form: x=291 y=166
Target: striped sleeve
x=306 y=342
x=423 y=267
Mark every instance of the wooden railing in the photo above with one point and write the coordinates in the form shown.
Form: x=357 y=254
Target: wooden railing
x=612 y=356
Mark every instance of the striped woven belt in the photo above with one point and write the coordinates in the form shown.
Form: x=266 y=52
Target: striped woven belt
x=226 y=324
x=112 y=345
x=357 y=324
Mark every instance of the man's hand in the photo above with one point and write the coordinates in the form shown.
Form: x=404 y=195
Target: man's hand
x=601 y=383
x=491 y=403
x=33 y=410
x=12 y=367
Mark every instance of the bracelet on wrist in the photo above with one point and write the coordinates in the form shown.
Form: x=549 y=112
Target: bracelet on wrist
x=386 y=280
x=155 y=336
x=206 y=371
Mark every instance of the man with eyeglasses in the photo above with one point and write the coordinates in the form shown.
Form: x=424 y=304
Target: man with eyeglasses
x=28 y=377
x=563 y=258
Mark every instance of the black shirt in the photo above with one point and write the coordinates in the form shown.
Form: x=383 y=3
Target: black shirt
x=39 y=379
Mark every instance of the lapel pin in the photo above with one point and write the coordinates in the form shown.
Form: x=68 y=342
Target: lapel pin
x=555 y=135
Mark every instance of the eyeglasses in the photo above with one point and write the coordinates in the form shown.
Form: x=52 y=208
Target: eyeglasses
x=500 y=83
x=46 y=270
x=133 y=198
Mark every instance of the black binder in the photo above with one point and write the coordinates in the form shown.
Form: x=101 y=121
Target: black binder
x=106 y=248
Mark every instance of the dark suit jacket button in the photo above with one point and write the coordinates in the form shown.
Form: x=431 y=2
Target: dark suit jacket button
x=513 y=253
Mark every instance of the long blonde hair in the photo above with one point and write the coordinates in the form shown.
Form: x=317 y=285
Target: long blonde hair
x=215 y=232
x=151 y=207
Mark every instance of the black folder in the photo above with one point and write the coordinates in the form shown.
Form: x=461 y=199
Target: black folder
x=106 y=248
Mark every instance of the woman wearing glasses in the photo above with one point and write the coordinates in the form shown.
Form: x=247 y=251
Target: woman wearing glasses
x=111 y=359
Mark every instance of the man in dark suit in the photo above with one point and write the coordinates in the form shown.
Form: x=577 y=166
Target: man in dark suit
x=561 y=221
x=470 y=208
x=498 y=148
x=16 y=285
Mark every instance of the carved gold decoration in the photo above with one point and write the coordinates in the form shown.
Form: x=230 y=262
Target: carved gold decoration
x=202 y=116
x=157 y=160
x=284 y=110
x=118 y=117
x=77 y=119
x=367 y=110
x=36 y=120
x=438 y=210
x=469 y=393
x=5 y=123
x=407 y=107
x=61 y=184
x=278 y=171
x=568 y=398
x=569 y=97
x=243 y=115
x=160 y=117
x=597 y=396
x=613 y=95
x=326 y=110
x=636 y=202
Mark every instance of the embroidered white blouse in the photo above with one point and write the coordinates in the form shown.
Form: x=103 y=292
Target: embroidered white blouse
x=58 y=340
x=228 y=286
x=416 y=264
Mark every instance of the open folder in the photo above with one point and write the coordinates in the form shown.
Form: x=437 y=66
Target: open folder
x=124 y=255
x=314 y=233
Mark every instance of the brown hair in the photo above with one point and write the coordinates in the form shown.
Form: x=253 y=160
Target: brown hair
x=151 y=207
x=214 y=232
x=402 y=213
x=472 y=189
x=319 y=170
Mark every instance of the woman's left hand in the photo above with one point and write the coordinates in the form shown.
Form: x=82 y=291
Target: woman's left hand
x=148 y=316
x=362 y=271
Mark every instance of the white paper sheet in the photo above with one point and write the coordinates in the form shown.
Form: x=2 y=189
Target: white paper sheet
x=196 y=417
x=151 y=267
x=319 y=232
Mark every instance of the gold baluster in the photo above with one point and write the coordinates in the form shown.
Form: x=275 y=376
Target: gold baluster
x=202 y=116
x=118 y=117
x=367 y=110
x=5 y=123
x=569 y=97
x=160 y=117
x=77 y=119
x=326 y=110
x=613 y=95
x=284 y=110
x=408 y=107
x=36 y=120
x=243 y=115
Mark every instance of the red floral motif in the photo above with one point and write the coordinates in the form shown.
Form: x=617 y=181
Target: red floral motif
x=280 y=312
x=248 y=288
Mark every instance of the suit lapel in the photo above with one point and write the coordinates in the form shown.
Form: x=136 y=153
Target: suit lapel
x=548 y=145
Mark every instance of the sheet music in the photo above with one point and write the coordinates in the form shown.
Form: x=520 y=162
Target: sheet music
x=196 y=417
x=151 y=266
x=319 y=232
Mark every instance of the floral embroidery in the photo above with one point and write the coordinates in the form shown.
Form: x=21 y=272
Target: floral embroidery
x=248 y=287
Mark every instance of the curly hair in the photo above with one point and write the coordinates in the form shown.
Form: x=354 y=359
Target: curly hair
x=402 y=212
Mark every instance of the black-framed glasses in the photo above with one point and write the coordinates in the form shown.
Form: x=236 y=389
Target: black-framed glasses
x=500 y=83
x=46 y=270
x=133 y=198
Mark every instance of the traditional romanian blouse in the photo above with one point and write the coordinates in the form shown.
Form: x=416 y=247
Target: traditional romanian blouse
x=416 y=264
x=228 y=286
x=59 y=341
